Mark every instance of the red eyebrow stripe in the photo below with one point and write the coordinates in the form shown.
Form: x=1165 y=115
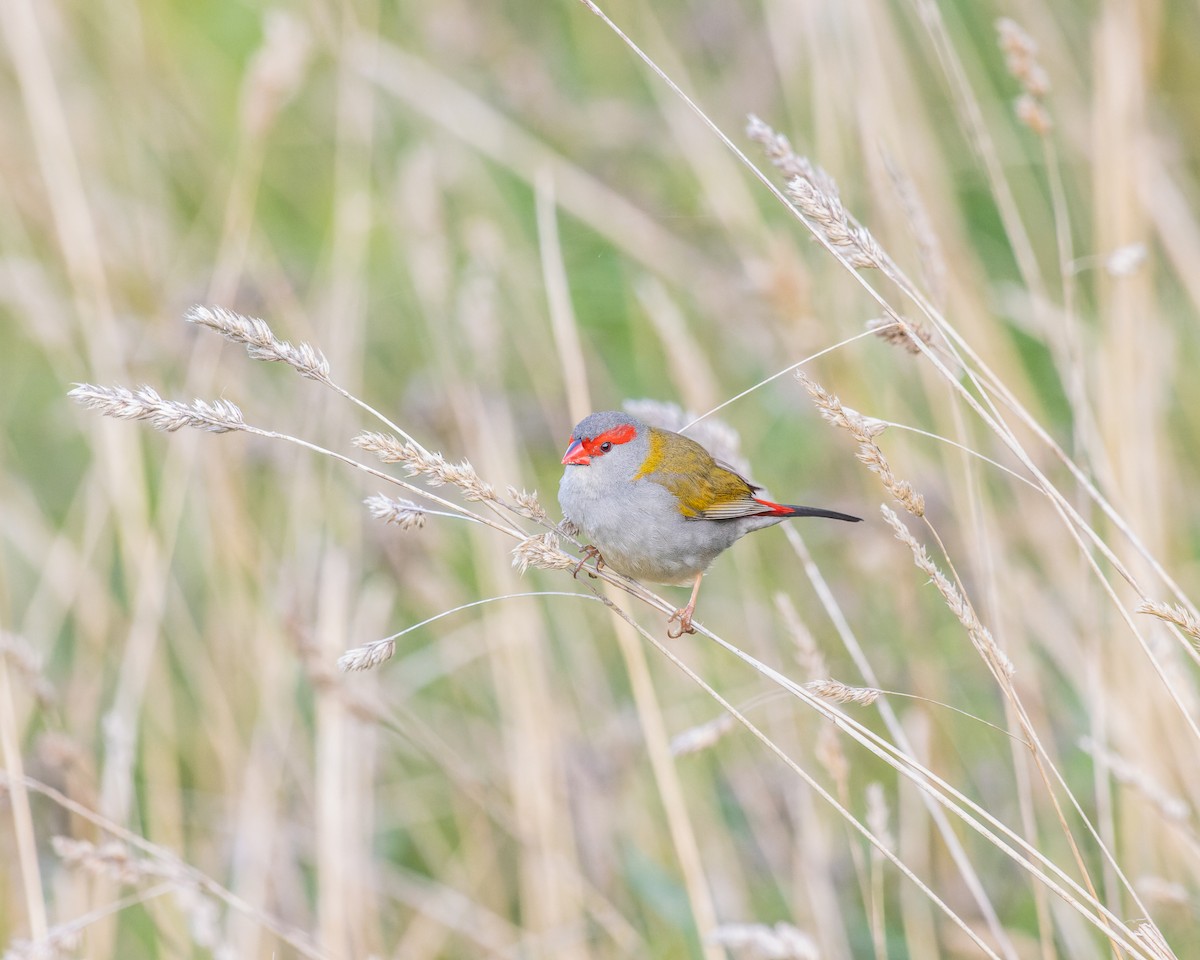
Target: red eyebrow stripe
x=617 y=435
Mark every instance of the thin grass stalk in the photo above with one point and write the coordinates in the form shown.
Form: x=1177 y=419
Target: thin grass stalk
x=897 y=276
x=825 y=795
x=514 y=532
x=292 y=936
x=776 y=677
x=895 y=728
x=955 y=597
x=22 y=820
x=1041 y=756
x=953 y=800
x=666 y=777
x=890 y=719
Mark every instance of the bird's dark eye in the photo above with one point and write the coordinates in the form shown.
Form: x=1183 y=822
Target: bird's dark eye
x=605 y=446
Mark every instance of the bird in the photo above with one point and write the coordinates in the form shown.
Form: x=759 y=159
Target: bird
x=657 y=506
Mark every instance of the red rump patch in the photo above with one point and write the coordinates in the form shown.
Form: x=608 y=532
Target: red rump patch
x=773 y=508
x=615 y=436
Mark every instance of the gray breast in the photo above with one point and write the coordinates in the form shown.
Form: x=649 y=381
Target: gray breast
x=640 y=531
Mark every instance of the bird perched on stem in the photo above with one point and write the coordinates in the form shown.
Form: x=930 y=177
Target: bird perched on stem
x=656 y=505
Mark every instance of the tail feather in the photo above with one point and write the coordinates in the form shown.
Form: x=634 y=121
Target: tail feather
x=791 y=510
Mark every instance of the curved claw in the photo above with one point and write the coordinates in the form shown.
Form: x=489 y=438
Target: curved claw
x=684 y=616
x=589 y=553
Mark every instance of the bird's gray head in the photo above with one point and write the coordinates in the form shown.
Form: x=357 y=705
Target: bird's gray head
x=613 y=443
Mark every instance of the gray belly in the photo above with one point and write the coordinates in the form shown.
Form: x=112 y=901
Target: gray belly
x=642 y=534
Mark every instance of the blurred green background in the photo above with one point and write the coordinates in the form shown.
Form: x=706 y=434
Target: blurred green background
x=441 y=197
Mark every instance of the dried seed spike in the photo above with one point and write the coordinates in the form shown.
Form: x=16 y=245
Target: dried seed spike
x=144 y=403
x=542 y=551
x=830 y=689
x=367 y=656
x=260 y=342
x=433 y=466
x=403 y=513
x=387 y=448
x=980 y=636
x=869 y=452
x=900 y=332
x=1020 y=57
x=528 y=505
x=824 y=209
x=1172 y=613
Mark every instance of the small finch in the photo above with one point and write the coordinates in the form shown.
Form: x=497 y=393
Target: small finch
x=656 y=505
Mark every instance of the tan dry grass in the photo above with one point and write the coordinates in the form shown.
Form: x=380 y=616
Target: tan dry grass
x=190 y=618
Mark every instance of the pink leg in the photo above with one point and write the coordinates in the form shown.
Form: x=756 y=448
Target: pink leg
x=684 y=616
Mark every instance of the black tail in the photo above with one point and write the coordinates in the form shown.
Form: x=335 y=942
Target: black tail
x=794 y=511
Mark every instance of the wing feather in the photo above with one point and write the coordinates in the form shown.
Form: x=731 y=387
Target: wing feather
x=706 y=488
x=747 y=506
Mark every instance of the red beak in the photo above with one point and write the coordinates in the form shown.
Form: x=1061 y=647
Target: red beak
x=576 y=454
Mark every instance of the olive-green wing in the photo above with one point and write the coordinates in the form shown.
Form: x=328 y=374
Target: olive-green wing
x=706 y=489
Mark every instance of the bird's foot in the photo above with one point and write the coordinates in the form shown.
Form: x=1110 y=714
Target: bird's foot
x=684 y=616
x=589 y=553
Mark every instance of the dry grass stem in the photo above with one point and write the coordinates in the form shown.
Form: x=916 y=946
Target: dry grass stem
x=840 y=692
x=779 y=942
x=59 y=944
x=878 y=822
x=812 y=661
x=144 y=403
x=27 y=663
x=260 y=342
x=1149 y=935
x=929 y=247
x=864 y=431
x=696 y=739
x=180 y=874
x=832 y=758
x=878 y=816
x=1172 y=807
x=790 y=368
x=980 y=636
x=880 y=748
x=277 y=70
x=128 y=586
x=372 y=654
x=111 y=859
x=1162 y=890
x=114 y=861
